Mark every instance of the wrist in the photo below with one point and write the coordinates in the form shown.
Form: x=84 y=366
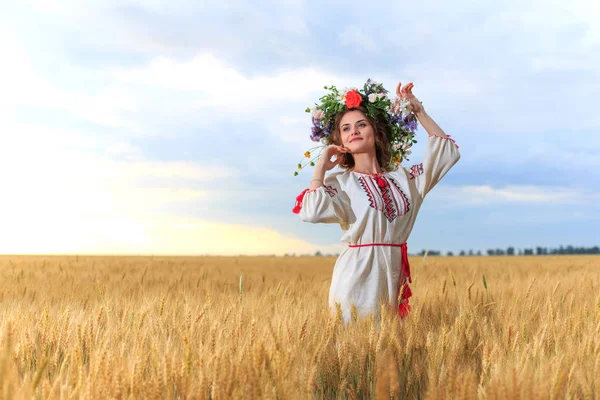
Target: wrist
x=420 y=114
x=319 y=172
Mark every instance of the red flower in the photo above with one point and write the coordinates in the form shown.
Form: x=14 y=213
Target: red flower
x=353 y=99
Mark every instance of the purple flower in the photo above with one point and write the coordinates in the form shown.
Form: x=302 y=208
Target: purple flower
x=410 y=124
x=370 y=87
x=394 y=119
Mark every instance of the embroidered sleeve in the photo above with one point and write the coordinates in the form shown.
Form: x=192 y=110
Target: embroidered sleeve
x=441 y=155
x=415 y=170
x=326 y=204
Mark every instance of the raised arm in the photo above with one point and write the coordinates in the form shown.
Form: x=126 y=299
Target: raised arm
x=430 y=126
x=441 y=153
x=325 y=164
x=324 y=201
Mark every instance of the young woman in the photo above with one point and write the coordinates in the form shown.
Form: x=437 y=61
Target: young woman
x=373 y=199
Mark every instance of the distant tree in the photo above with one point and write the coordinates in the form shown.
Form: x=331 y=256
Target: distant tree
x=318 y=253
x=430 y=253
x=570 y=250
x=511 y=251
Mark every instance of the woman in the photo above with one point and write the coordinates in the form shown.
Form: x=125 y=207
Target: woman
x=373 y=198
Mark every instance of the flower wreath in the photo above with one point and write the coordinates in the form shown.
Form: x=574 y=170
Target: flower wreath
x=397 y=115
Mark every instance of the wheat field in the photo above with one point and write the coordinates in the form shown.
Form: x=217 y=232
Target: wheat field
x=260 y=327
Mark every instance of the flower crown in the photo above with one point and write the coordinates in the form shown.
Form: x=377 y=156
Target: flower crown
x=396 y=114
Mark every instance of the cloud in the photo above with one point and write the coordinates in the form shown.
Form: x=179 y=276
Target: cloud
x=24 y=85
x=105 y=115
x=219 y=85
x=47 y=174
x=67 y=199
x=485 y=195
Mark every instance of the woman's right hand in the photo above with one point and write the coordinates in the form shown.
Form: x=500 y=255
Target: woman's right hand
x=325 y=162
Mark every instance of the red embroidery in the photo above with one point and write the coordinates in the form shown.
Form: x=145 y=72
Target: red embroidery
x=366 y=187
x=402 y=199
x=416 y=170
x=331 y=191
x=384 y=197
x=298 y=204
x=448 y=137
x=391 y=207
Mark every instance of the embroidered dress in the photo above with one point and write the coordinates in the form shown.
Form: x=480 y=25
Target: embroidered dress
x=376 y=214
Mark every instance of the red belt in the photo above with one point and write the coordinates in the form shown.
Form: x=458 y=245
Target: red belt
x=403 y=288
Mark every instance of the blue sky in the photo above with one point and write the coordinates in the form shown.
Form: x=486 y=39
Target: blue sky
x=155 y=127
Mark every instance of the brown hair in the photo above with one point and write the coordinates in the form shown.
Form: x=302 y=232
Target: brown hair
x=382 y=141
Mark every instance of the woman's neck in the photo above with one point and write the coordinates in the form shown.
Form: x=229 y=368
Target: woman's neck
x=366 y=163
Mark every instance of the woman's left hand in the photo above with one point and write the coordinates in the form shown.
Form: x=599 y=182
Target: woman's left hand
x=406 y=93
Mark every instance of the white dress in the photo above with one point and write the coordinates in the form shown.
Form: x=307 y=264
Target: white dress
x=376 y=214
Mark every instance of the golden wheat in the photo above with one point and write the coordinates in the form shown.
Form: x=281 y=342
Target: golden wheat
x=260 y=327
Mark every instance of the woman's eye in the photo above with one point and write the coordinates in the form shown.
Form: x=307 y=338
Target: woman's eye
x=363 y=125
x=346 y=129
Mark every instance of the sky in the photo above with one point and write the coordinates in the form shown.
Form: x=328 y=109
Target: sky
x=174 y=127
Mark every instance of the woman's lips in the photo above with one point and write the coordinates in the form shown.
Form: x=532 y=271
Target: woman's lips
x=357 y=138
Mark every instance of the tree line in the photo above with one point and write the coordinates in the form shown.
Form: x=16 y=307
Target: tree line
x=509 y=251
x=512 y=251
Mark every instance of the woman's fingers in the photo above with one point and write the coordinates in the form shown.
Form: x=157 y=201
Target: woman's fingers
x=404 y=91
x=341 y=149
x=407 y=89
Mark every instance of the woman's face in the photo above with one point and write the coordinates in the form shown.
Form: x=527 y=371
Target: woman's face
x=357 y=132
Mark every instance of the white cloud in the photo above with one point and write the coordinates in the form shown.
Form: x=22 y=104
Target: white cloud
x=24 y=85
x=492 y=70
x=48 y=175
x=218 y=84
x=69 y=199
x=61 y=199
x=483 y=195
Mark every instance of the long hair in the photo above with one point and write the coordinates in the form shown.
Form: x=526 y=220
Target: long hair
x=382 y=141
